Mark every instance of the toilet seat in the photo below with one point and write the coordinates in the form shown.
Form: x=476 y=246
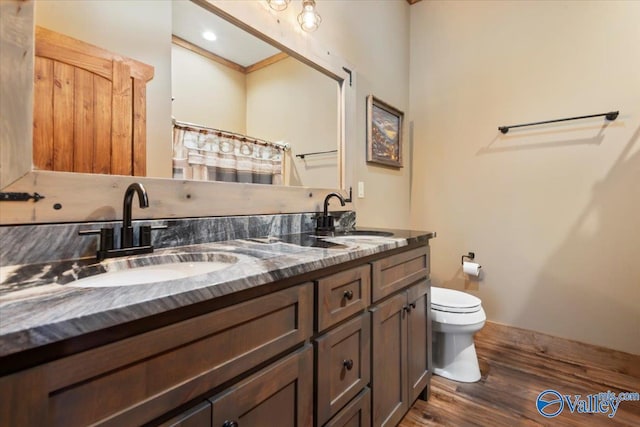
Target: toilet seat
x=451 y=301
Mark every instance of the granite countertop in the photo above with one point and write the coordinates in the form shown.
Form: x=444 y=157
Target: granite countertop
x=38 y=307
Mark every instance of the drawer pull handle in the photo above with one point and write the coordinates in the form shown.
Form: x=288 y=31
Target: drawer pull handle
x=230 y=424
x=348 y=363
x=348 y=294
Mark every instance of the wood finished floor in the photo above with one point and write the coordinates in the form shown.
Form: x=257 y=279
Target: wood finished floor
x=515 y=369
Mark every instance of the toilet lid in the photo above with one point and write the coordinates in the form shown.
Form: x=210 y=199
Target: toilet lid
x=454 y=301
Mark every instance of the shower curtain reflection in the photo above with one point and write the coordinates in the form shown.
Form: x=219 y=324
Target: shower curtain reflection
x=207 y=154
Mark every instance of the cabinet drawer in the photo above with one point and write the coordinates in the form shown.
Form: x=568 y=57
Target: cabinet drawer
x=356 y=414
x=137 y=379
x=198 y=416
x=342 y=295
x=343 y=364
x=280 y=395
x=399 y=271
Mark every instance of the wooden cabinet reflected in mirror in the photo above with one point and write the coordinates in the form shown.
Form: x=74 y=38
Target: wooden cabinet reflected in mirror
x=89 y=110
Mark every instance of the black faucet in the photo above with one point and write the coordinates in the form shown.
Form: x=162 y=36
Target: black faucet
x=325 y=222
x=106 y=247
x=127 y=230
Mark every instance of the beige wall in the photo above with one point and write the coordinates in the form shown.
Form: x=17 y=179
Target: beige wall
x=206 y=92
x=374 y=37
x=138 y=29
x=552 y=212
x=291 y=102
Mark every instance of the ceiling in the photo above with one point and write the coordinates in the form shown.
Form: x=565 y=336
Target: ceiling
x=189 y=21
x=232 y=43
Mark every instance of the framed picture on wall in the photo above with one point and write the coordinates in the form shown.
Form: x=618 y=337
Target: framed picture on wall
x=384 y=133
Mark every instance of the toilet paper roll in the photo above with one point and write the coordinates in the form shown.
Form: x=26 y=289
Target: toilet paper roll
x=471 y=268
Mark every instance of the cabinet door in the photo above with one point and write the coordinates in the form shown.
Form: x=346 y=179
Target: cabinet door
x=280 y=395
x=418 y=333
x=389 y=370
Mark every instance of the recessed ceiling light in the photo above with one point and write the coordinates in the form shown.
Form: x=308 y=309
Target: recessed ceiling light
x=208 y=35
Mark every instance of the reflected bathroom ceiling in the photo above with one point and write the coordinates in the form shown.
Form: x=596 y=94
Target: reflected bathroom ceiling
x=190 y=21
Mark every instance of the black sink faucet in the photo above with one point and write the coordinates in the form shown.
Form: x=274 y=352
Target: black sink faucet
x=106 y=247
x=127 y=229
x=325 y=222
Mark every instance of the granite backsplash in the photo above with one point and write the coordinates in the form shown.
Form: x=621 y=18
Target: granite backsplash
x=29 y=244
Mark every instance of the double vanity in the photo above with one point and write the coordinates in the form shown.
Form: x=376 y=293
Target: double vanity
x=291 y=330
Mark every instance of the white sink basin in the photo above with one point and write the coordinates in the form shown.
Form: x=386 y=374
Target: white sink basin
x=162 y=269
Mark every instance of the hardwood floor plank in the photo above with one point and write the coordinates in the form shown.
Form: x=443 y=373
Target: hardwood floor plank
x=516 y=367
x=569 y=372
x=561 y=348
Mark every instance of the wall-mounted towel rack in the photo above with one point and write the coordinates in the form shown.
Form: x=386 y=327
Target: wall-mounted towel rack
x=611 y=115
x=302 y=156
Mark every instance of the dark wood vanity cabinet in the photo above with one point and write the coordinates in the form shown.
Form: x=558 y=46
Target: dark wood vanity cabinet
x=400 y=342
x=138 y=379
x=319 y=353
x=342 y=347
x=279 y=395
x=378 y=360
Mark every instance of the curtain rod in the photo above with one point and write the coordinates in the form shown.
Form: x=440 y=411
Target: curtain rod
x=285 y=146
x=611 y=115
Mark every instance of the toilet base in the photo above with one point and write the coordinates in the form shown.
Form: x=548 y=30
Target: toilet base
x=454 y=357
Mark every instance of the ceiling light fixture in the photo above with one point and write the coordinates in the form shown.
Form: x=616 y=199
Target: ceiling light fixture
x=309 y=19
x=208 y=35
x=278 y=4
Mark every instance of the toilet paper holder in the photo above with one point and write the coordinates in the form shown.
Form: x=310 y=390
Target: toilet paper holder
x=470 y=255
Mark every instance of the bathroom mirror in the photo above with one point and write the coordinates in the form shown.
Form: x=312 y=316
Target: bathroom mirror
x=283 y=101
x=66 y=194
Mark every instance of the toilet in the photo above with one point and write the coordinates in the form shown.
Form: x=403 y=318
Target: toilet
x=455 y=317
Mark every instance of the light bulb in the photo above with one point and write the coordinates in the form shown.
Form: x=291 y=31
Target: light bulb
x=278 y=4
x=309 y=19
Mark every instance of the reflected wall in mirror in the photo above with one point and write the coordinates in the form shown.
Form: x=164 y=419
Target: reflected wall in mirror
x=239 y=83
x=283 y=100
